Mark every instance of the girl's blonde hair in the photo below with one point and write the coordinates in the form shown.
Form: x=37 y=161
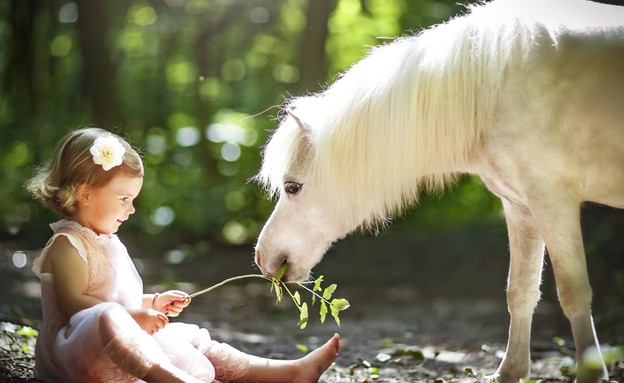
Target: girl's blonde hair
x=55 y=184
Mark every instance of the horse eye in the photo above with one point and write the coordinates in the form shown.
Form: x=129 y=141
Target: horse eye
x=292 y=188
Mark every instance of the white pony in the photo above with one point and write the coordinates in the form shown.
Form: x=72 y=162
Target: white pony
x=526 y=94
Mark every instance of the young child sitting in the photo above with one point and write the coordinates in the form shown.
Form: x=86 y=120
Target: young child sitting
x=98 y=326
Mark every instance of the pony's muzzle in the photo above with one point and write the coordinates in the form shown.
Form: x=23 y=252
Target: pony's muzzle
x=269 y=268
x=258 y=257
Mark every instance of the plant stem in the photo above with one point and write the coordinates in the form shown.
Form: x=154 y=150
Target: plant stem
x=266 y=279
x=228 y=281
x=315 y=293
x=291 y=294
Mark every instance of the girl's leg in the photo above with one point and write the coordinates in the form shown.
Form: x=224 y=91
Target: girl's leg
x=304 y=370
x=168 y=374
x=134 y=351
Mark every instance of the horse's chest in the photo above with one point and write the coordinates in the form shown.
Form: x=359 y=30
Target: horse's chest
x=502 y=188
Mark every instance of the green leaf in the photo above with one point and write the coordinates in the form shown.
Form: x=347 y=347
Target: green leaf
x=340 y=304
x=323 y=311
x=418 y=355
x=280 y=272
x=329 y=290
x=297 y=298
x=317 y=283
x=279 y=293
x=334 y=312
x=567 y=370
x=28 y=332
x=302 y=347
x=303 y=316
x=612 y=355
x=374 y=371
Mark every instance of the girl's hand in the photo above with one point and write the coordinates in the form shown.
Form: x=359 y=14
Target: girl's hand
x=150 y=320
x=171 y=303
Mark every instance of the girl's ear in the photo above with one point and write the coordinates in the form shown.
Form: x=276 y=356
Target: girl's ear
x=83 y=194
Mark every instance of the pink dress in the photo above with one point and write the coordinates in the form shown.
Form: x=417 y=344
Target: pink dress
x=70 y=350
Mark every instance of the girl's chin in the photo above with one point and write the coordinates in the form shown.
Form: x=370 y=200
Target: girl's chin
x=110 y=230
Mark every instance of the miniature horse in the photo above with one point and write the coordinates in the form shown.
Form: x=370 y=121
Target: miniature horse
x=528 y=95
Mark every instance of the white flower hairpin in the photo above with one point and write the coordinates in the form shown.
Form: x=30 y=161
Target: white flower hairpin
x=107 y=151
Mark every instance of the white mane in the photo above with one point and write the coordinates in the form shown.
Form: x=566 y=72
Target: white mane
x=410 y=114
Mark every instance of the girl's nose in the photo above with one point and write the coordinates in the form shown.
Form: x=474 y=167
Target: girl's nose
x=131 y=210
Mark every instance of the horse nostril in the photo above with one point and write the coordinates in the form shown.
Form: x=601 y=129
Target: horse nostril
x=258 y=258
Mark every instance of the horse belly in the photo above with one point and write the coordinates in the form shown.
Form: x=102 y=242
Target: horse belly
x=602 y=179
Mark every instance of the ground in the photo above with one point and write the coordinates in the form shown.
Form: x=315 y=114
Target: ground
x=360 y=361
x=424 y=308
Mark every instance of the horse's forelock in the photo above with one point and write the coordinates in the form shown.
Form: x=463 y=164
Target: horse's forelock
x=285 y=153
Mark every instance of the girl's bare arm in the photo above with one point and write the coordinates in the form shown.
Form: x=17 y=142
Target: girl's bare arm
x=70 y=277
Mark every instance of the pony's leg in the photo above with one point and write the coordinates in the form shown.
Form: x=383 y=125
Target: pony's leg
x=560 y=225
x=525 y=270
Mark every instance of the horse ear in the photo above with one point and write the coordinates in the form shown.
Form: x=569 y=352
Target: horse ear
x=304 y=128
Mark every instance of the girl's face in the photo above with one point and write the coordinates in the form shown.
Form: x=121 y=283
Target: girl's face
x=105 y=208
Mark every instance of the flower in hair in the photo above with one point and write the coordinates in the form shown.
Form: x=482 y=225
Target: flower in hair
x=107 y=151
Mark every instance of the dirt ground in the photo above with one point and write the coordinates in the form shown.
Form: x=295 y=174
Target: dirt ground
x=425 y=307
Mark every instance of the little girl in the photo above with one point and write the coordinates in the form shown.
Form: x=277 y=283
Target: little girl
x=98 y=326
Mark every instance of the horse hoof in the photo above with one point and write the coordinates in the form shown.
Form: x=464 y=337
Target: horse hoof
x=498 y=378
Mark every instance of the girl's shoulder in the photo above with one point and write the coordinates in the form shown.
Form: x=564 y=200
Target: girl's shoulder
x=60 y=250
x=74 y=236
x=62 y=244
x=67 y=242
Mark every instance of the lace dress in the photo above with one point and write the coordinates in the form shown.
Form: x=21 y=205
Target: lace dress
x=70 y=350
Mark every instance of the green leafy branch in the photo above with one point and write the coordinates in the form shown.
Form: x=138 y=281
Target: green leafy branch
x=328 y=304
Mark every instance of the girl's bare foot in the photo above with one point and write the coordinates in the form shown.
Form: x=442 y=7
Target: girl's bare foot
x=304 y=370
x=311 y=367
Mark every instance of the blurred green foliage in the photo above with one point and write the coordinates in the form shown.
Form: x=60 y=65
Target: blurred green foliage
x=192 y=83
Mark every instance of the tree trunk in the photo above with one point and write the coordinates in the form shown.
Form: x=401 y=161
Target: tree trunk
x=20 y=69
x=98 y=70
x=313 y=64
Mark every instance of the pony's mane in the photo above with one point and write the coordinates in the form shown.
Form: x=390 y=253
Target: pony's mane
x=405 y=118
